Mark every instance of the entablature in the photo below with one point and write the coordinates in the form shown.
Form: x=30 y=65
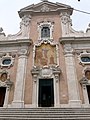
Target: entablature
x=74 y=40
x=15 y=42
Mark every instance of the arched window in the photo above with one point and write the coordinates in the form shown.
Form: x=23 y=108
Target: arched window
x=45 y=32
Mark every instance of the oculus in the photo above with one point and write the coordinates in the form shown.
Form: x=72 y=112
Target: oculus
x=7 y=60
x=84 y=58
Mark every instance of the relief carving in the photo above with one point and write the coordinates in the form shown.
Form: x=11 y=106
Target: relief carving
x=45 y=8
x=25 y=20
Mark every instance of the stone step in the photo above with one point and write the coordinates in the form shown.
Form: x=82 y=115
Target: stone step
x=45 y=116
x=63 y=118
x=44 y=113
x=45 y=109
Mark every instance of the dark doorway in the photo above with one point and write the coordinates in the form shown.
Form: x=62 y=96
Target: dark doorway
x=2 y=95
x=88 y=91
x=46 y=93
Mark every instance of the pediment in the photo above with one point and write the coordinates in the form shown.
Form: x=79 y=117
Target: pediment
x=44 y=6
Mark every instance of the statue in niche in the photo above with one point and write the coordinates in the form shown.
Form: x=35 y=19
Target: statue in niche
x=87 y=74
x=3 y=77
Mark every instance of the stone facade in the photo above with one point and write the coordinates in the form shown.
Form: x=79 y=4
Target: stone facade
x=46 y=49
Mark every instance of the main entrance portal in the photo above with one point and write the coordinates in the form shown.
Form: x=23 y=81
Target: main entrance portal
x=2 y=95
x=46 y=93
x=88 y=91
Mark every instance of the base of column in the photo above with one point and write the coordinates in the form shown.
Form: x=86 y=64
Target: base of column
x=18 y=104
x=74 y=103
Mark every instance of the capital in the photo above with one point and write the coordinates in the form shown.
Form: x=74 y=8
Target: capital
x=22 y=52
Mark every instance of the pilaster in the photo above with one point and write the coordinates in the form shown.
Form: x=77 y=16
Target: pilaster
x=66 y=23
x=56 y=86
x=35 y=73
x=25 y=25
x=18 y=100
x=84 y=82
x=73 y=91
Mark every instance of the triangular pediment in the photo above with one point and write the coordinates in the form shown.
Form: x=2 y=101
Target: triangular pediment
x=44 y=6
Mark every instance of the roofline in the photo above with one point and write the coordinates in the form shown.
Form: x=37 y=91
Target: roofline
x=31 y=12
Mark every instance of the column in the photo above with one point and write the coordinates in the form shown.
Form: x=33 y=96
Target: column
x=73 y=91
x=18 y=101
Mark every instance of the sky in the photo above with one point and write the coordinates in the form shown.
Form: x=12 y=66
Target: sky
x=10 y=21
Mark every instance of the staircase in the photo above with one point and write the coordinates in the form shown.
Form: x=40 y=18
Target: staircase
x=44 y=113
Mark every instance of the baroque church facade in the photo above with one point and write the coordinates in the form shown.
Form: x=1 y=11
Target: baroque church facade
x=47 y=63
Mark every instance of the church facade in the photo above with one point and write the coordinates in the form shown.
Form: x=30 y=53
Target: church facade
x=47 y=63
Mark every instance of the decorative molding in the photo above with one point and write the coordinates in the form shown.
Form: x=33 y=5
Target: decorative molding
x=74 y=40
x=68 y=50
x=45 y=24
x=38 y=44
x=65 y=18
x=83 y=54
x=2 y=34
x=6 y=57
x=15 y=42
x=84 y=81
x=23 y=52
x=25 y=21
x=45 y=8
x=6 y=82
x=46 y=72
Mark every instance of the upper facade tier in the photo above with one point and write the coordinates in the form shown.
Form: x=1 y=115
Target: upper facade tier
x=45 y=7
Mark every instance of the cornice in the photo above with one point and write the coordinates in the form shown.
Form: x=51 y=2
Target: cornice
x=55 y=8
x=17 y=42
x=74 y=40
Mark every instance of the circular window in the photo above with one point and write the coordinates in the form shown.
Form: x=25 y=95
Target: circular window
x=6 y=61
x=85 y=59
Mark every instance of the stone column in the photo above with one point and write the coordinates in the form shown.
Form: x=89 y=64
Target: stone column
x=18 y=101
x=73 y=91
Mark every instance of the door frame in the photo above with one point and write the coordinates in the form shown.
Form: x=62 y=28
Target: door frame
x=36 y=78
x=3 y=94
x=51 y=85
x=88 y=93
x=6 y=97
